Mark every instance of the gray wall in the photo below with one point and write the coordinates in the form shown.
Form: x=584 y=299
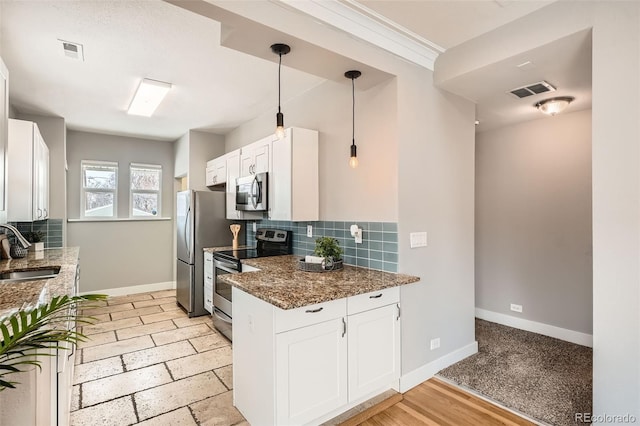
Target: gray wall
x=615 y=173
x=191 y=153
x=54 y=133
x=366 y=193
x=416 y=151
x=125 y=253
x=533 y=221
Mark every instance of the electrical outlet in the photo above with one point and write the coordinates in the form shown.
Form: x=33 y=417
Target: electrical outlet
x=516 y=308
x=310 y=231
x=435 y=343
x=255 y=228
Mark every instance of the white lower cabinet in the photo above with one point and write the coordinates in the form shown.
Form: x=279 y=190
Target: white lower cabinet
x=311 y=372
x=374 y=350
x=306 y=365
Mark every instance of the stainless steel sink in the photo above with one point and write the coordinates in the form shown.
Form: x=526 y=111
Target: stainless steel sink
x=34 y=274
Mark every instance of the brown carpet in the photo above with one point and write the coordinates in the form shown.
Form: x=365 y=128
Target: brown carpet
x=545 y=378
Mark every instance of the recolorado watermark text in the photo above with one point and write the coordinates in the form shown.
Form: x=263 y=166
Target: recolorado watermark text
x=604 y=418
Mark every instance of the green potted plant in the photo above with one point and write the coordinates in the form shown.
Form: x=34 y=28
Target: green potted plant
x=35 y=238
x=328 y=248
x=328 y=256
x=29 y=334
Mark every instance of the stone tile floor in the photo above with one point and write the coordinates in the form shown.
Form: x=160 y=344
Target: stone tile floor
x=147 y=363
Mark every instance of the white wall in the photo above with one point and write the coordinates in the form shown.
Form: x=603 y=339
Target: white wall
x=367 y=193
x=533 y=221
x=132 y=253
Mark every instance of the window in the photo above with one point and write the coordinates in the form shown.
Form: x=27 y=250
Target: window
x=145 y=189
x=99 y=188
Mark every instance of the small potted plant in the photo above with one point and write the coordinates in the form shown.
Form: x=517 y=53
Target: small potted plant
x=35 y=238
x=328 y=256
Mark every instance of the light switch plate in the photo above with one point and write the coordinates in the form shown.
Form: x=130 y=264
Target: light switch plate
x=418 y=239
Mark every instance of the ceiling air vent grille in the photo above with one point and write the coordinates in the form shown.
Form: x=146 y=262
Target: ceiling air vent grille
x=532 y=89
x=72 y=50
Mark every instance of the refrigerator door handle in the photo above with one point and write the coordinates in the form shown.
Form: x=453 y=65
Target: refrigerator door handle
x=187 y=232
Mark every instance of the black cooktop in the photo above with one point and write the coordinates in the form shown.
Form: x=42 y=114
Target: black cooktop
x=269 y=242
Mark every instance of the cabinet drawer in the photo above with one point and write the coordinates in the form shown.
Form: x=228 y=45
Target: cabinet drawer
x=308 y=315
x=372 y=300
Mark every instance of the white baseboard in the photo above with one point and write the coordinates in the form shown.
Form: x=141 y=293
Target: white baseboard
x=536 y=327
x=143 y=288
x=427 y=371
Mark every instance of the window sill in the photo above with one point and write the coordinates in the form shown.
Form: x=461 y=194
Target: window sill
x=121 y=219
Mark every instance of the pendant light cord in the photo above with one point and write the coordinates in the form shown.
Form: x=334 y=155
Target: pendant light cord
x=353 y=112
x=279 y=68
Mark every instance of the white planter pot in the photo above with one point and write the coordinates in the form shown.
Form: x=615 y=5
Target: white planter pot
x=36 y=247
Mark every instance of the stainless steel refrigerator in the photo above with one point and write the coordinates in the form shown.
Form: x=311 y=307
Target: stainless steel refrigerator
x=201 y=222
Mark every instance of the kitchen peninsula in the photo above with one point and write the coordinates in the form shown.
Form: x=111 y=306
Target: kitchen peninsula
x=43 y=396
x=310 y=346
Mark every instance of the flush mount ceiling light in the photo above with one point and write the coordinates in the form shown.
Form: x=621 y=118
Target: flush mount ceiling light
x=280 y=49
x=554 y=106
x=353 y=74
x=148 y=96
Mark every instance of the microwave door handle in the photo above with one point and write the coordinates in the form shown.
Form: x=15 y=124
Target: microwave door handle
x=254 y=195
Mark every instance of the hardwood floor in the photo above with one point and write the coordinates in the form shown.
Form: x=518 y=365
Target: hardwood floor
x=435 y=402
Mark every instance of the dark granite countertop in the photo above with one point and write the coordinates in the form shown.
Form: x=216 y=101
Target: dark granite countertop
x=25 y=294
x=226 y=248
x=281 y=284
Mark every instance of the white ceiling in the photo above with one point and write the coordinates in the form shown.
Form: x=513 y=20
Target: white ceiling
x=214 y=88
x=448 y=23
x=217 y=88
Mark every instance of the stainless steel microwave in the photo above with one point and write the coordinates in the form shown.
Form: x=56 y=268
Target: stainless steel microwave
x=252 y=193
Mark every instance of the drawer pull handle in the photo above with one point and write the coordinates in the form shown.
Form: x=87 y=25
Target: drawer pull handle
x=344 y=327
x=377 y=296
x=313 y=311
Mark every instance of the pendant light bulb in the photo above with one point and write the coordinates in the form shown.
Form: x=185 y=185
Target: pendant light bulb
x=353 y=160
x=280 y=49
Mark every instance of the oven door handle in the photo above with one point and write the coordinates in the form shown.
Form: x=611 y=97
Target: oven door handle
x=227 y=267
x=215 y=312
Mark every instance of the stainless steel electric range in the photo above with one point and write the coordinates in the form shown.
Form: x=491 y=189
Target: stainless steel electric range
x=269 y=242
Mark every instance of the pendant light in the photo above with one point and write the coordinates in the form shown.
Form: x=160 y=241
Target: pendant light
x=280 y=49
x=353 y=74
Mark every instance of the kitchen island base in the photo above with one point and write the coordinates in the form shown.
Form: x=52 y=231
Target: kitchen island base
x=310 y=364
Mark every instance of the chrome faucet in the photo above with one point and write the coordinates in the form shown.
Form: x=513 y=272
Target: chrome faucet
x=21 y=239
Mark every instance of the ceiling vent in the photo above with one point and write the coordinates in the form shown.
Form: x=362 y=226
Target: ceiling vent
x=532 y=89
x=72 y=50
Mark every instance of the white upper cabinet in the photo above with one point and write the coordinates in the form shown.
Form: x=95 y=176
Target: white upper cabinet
x=256 y=157
x=233 y=173
x=216 y=171
x=27 y=173
x=294 y=183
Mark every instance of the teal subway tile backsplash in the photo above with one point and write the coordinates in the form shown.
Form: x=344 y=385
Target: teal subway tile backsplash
x=379 y=248
x=51 y=228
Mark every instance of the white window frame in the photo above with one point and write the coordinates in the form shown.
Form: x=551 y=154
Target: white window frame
x=83 y=190
x=132 y=191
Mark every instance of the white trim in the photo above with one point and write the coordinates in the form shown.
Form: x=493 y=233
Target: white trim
x=536 y=327
x=371 y=27
x=121 y=219
x=134 y=289
x=427 y=371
